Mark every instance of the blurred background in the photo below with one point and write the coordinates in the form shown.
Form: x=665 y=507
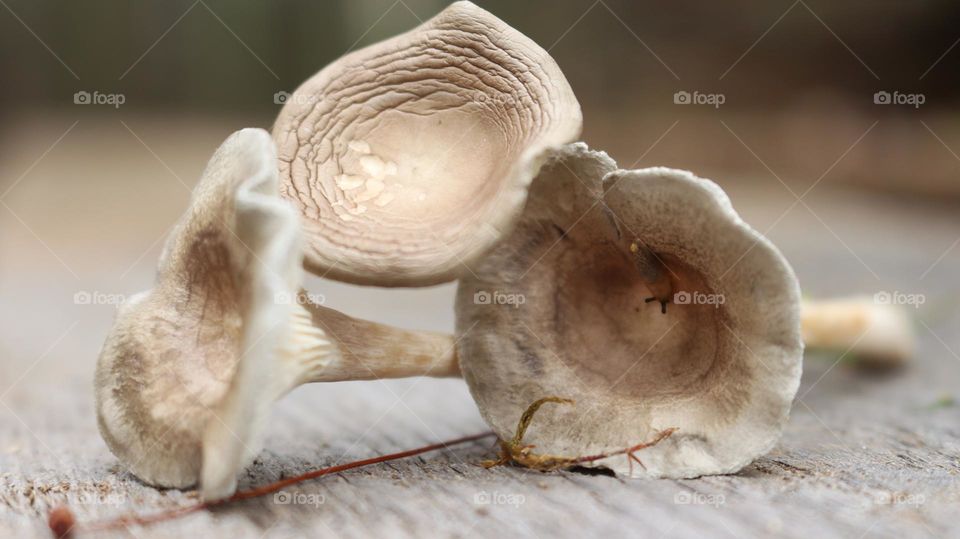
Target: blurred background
x=832 y=125
x=797 y=78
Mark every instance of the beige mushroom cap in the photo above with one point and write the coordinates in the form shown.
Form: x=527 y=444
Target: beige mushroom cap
x=212 y=320
x=722 y=364
x=410 y=158
x=188 y=374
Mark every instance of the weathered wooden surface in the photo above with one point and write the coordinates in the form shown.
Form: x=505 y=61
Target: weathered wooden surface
x=863 y=456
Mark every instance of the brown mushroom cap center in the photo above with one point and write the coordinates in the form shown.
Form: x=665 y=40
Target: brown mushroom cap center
x=617 y=341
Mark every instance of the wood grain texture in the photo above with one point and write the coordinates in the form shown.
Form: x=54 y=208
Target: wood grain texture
x=863 y=455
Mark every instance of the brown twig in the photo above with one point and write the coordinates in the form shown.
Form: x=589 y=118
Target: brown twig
x=514 y=452
x=63 y=524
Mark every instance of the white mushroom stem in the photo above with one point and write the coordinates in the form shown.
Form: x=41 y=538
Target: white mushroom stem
x=876 y=334
x=322 y=345
x=329 y=346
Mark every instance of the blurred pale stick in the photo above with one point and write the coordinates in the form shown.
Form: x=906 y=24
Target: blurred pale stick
x=873 y=333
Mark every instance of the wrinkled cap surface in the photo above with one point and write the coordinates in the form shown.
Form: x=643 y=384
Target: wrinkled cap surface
x=409 y=158
x=560 y=309
x=185 y=355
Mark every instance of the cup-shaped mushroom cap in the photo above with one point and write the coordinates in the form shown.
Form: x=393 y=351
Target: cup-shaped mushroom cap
x=193 y=356
x=564 y=308
x=410 y=158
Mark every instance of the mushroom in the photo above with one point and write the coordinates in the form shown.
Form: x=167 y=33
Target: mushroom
x=188 y=373
x=410 y=158
x=643 y=296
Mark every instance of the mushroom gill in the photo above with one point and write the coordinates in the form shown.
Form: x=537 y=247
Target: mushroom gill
x=410 y=158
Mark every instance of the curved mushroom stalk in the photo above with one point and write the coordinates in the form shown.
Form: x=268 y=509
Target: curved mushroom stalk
x=873 y=335
x=645 y=298
x=188 y=373
x=410 y=158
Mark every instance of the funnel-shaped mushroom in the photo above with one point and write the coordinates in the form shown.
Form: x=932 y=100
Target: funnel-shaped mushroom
x=644 y=297
x=188 y=373
x=410 y=158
